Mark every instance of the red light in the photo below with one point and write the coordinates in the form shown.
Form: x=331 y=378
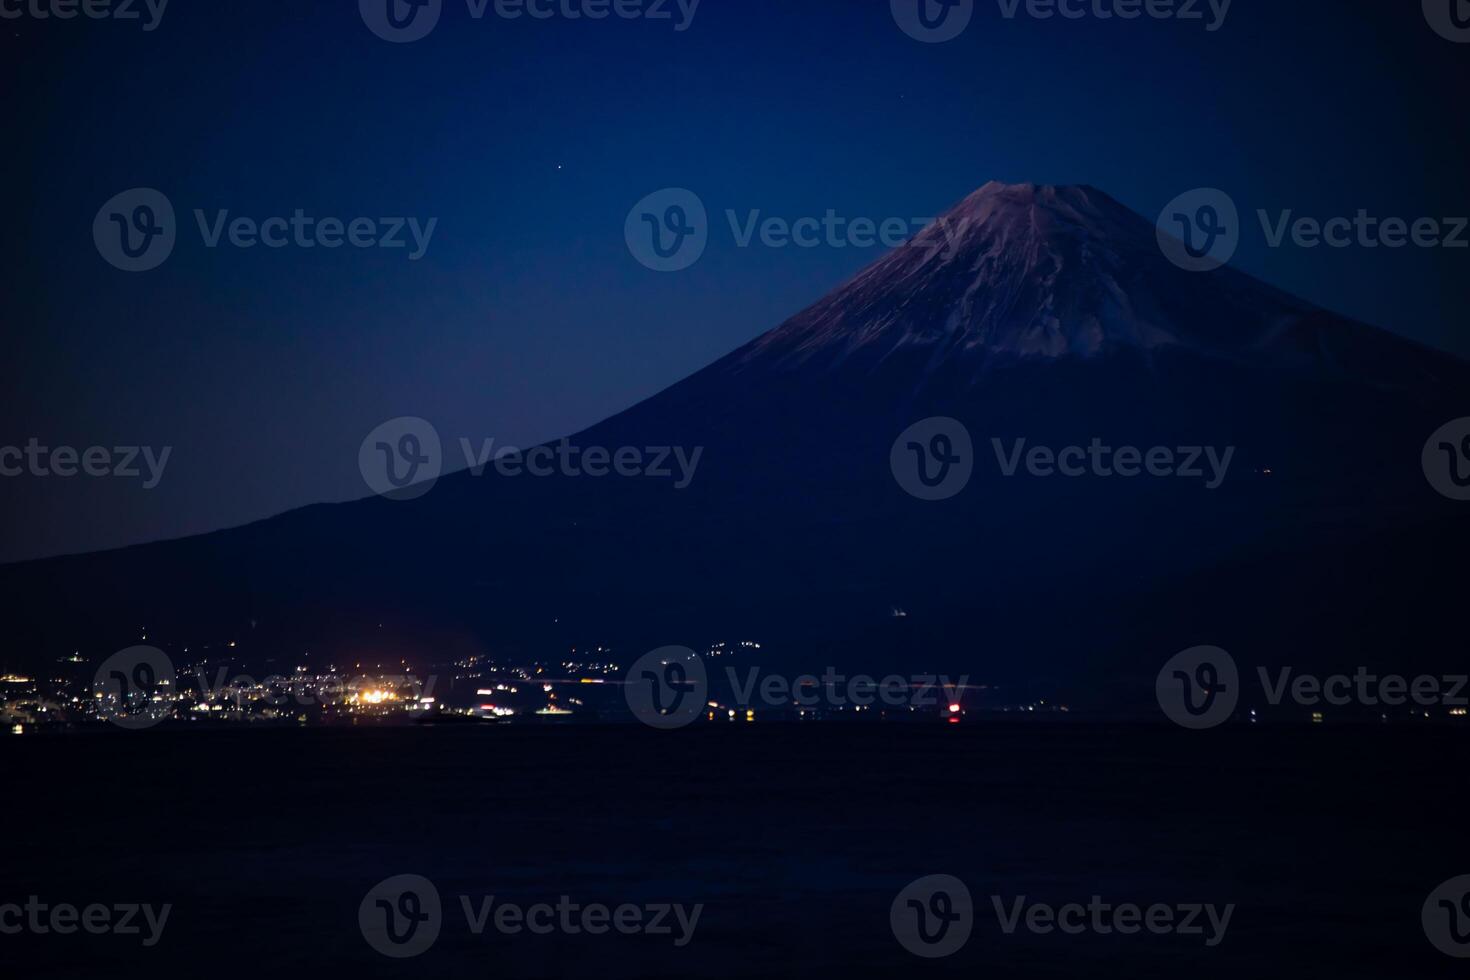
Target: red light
x=953 y=721
x=954 y=709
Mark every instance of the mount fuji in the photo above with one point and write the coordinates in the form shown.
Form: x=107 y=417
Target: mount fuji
x=1033 y=316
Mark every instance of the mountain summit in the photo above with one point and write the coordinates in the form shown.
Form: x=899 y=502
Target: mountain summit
x=1024 y=271
x=1014 y=270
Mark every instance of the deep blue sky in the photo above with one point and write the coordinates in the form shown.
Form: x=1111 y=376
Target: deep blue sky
x=529 y=141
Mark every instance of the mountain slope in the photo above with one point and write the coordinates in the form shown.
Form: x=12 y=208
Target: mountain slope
x=1028 y=313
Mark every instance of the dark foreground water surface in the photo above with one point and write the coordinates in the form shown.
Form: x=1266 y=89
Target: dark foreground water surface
x=796 y=840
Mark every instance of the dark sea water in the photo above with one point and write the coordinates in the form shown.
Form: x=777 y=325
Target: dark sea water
x=796 y=839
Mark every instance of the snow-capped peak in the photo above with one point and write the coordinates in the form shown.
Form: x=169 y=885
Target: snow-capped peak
x=1026 y=271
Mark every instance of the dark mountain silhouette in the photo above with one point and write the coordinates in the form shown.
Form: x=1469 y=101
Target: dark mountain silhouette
x=1037 y=313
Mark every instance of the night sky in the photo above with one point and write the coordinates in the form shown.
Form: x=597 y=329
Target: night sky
x=530 y=140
